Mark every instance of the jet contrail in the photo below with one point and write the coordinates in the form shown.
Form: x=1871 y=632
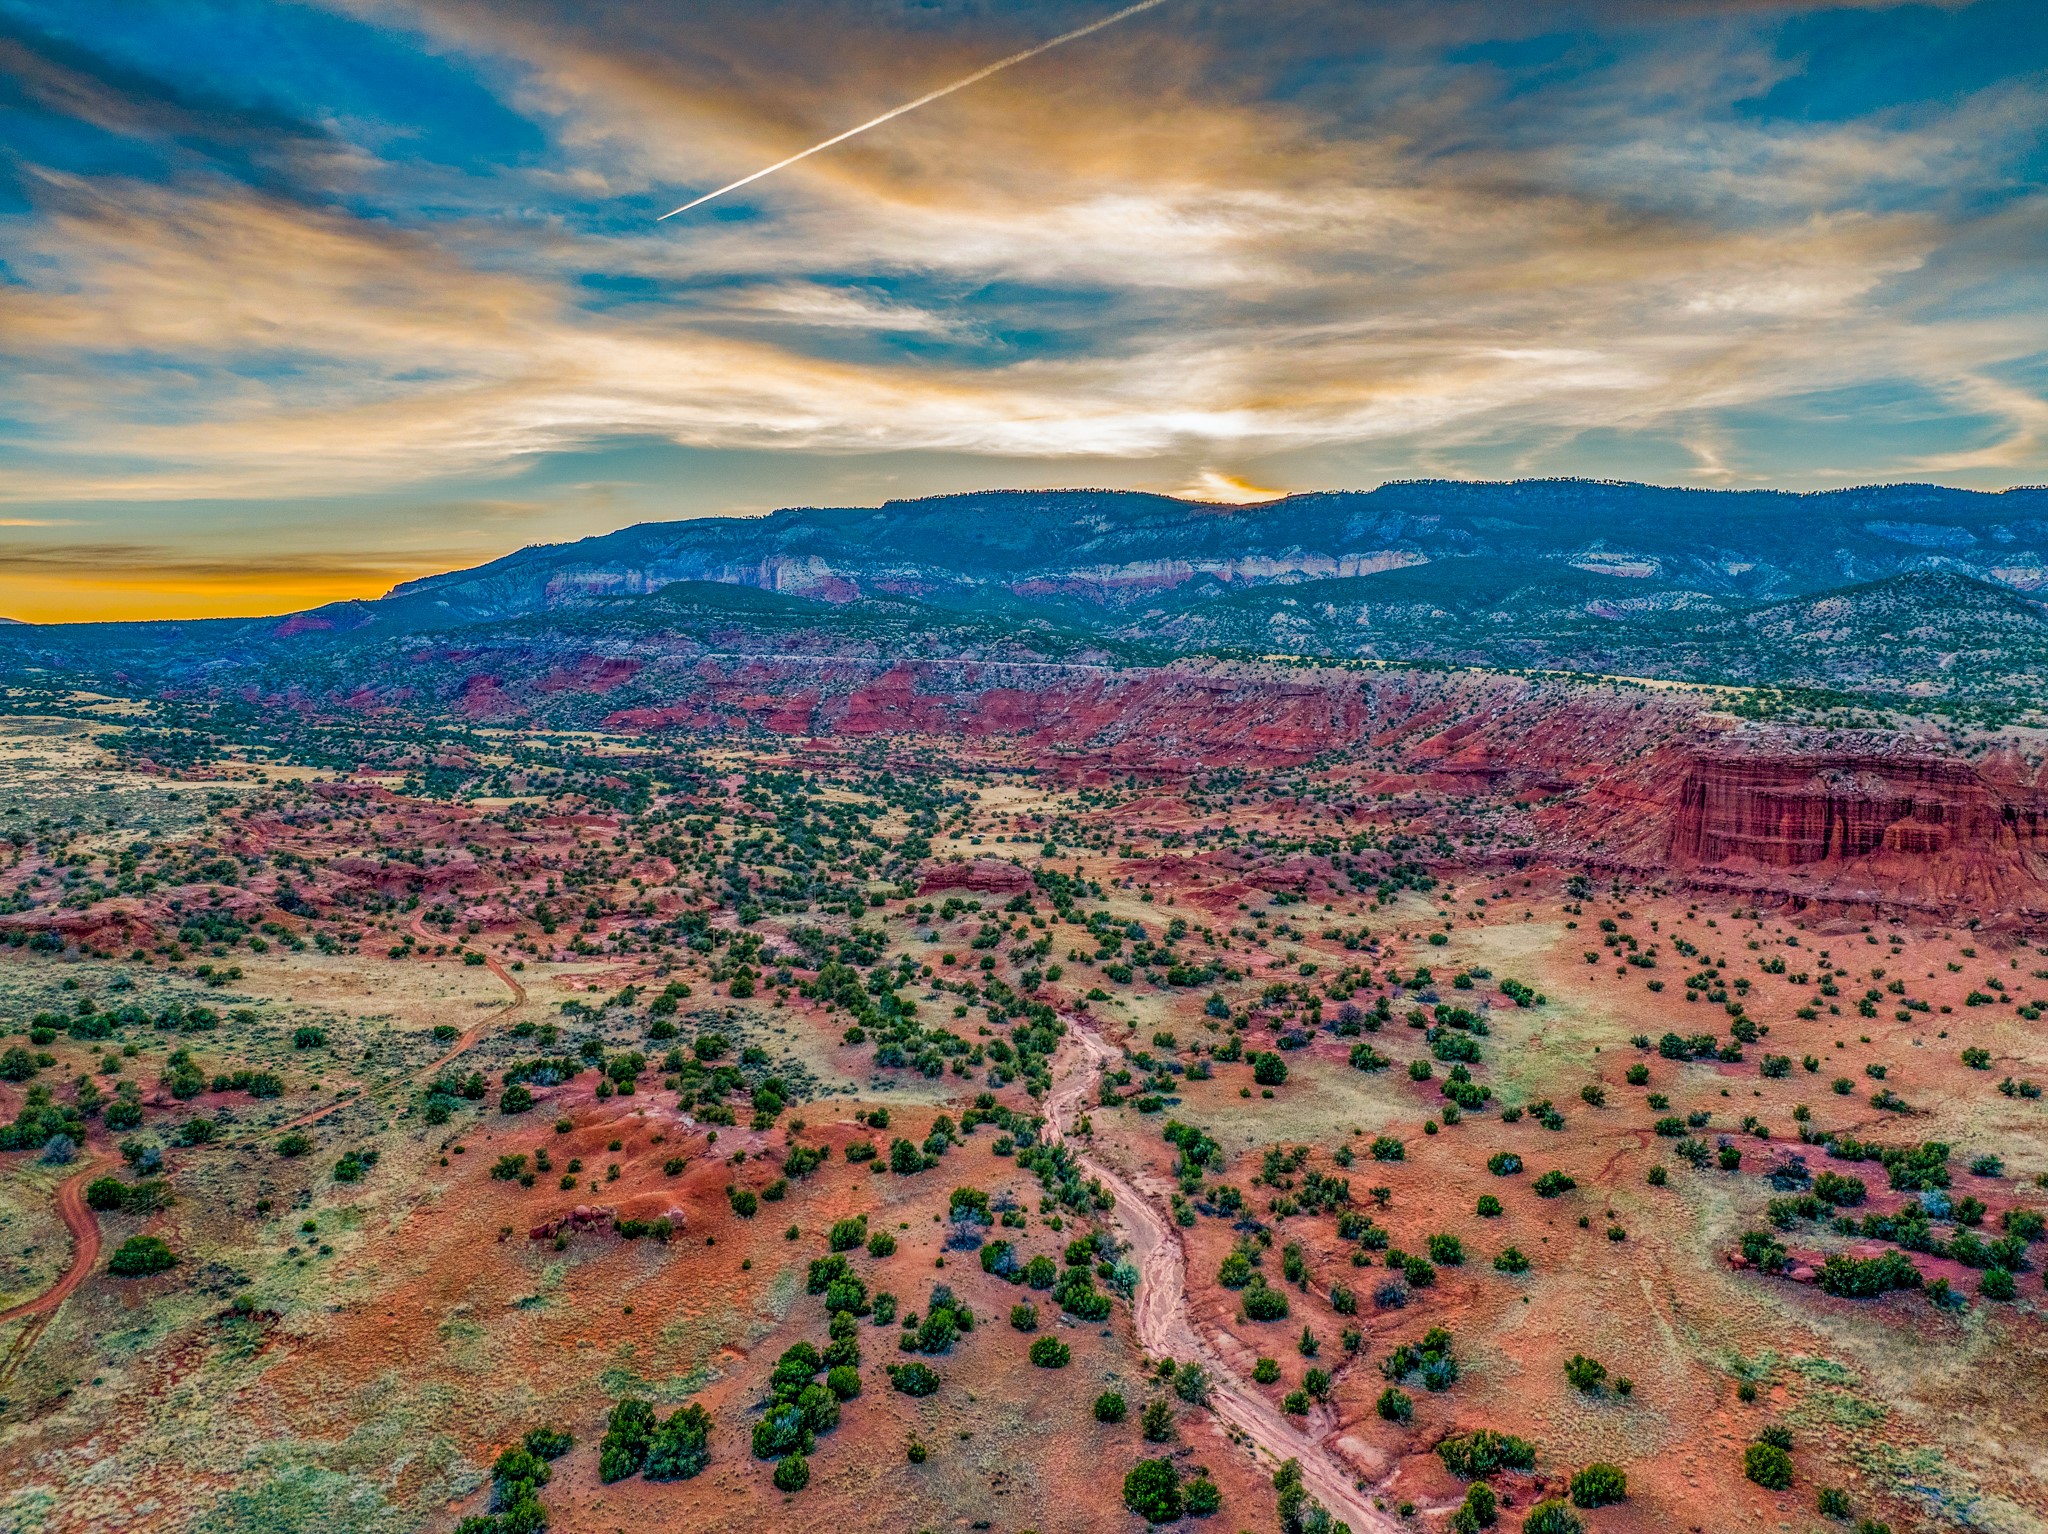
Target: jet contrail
x=925 y=100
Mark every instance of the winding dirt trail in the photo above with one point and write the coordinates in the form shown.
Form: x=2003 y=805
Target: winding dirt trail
x=1161 y=1311
x=84 y=1226
x=461 y=1045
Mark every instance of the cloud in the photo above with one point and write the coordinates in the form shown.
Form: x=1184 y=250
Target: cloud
x=1221 y=235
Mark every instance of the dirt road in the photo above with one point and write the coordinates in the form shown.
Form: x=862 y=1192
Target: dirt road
x=84 y=1226
x=460 y=1046
x=1161 y=1309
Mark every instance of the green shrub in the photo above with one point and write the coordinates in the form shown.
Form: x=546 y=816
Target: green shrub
x=1552 y=1183
x=1833 y=1502
x=1109 y=1407
x=1396 y=1405
x=1262 y=1303
x=1767 y=1465
x=106 y=1193
x=140 y=1256
x=1483 y=1451
x=1599 y=1484
x=1200 y=1497
x=1050 y=1353
x=1584 y=1373
x=1156 y=1420
x=1552 y=1517
x=680 y=1447
x=793 y=1474
x=848 y=1233
x=1152 y=1491
x=914 y=1379
x=627 y=1434
x=1479 y=1510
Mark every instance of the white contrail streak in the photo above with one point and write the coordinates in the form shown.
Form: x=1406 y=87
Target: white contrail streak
x=925 y=100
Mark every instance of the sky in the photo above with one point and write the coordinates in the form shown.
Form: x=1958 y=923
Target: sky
x=299 y=300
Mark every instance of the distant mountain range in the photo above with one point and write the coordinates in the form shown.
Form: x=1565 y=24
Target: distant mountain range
x=1896 y=590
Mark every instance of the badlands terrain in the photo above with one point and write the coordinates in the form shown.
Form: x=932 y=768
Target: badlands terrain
x=632 y=1038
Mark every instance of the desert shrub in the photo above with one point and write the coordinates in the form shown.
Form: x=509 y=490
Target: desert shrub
x=1599 y=1484
x=680 y=1447
x=1482 y=1451
x=628 y=1432
x=1552 y=1517
x=1997 y=1284
x=1511 y=1260
x=843 y=1380
x=848 y=1233
x=1503 y=1163
x=1764 y=1251
x=1387 y=1148
x=793 y=1474
x=140 y=1256
x=1479 y=1510
x=1767 y=1465
x=1860 y=1278
x=106 y=1193
x=1262 y=1303
x=1268 y=1069
x=1295 y=1403
x=914 y=1379
x=1050 y=1353
x=1236 y=1271
x=1200 y=1497
x=1152 y=1491
x=1156 y=1420
x=1832 y=1502
x=1109 y=1407
x=784 y=1430
x=1395 y=1405
x=1024 y=1317
x=1552 y=1183
x=1488 y=1207
x=1447 y=1250
x=1584 y=1373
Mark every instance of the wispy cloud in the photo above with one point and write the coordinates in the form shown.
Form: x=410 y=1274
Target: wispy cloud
x=1430 y=235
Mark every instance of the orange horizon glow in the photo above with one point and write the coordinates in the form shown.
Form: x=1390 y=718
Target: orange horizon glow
x=143 y=596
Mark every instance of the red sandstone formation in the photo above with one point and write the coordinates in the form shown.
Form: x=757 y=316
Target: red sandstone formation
x=983 y=876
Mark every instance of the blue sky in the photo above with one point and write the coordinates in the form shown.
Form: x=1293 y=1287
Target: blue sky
x=298 y=300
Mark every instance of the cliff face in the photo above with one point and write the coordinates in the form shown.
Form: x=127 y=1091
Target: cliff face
x=1785 y=812
x=1920 y=828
